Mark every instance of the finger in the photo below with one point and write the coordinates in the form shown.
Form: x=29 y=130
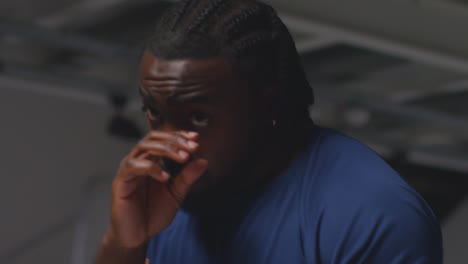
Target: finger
x=181 y=139
x=158 y=174
x=142 y=168
x=129 y=177
x=190 y=135
x=152 y=135
x=187 y=177
x=129 y=168
x=178 y=140
x=155 y=171
x=154 y=153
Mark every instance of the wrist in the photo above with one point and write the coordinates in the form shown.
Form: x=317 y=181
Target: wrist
x=112 y=251
x=111 y=239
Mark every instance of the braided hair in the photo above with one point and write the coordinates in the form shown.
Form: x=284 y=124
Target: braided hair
x=248 y=33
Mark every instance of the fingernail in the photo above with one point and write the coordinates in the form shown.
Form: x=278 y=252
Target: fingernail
x=183 y=154
x=192 y=134
x=192 y=144
x=165 y=175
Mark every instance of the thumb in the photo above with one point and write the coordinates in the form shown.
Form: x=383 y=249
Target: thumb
x=188 y=176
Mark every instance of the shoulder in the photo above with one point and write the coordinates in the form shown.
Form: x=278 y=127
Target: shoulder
x=338 y=162
x=363 y=207
x=337 y=151
x=348 y=177
x=341 y=166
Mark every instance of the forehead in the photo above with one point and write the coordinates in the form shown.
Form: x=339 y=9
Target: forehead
x=188 y=80
x=190 y=70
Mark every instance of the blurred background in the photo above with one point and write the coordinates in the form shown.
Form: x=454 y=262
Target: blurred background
x=393 y=74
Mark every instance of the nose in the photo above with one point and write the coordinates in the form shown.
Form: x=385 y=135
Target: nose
x=167 y=127
x=163 y=126
x=170 y=166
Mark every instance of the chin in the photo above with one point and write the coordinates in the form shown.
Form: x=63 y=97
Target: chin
x=201 y=196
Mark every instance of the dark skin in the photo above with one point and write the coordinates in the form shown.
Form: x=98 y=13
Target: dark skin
x=206 y=116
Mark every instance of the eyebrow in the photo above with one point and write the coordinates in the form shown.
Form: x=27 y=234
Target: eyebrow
x=188 y=98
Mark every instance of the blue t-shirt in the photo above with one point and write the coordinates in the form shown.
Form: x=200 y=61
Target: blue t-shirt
x=338 y=202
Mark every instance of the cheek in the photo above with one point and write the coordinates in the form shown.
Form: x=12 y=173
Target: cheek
x=226 y=145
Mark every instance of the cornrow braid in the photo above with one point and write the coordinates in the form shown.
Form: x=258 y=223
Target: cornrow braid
x=237 y=24
x=179 y=13
x=246 y=32
x=204 y=15
x=251 y=43
x=289 y=65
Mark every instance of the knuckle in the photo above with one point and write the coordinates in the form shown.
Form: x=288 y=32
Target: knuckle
x=124 y=163
x=180 y=139
x=143 y=143
x=154 y=133
x=174 y=143
x=155 y=146
x=168 y=146
x=128 y=163
x=140 y=144
x=148 y=144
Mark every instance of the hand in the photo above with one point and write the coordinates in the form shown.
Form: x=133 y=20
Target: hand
x=143 y=203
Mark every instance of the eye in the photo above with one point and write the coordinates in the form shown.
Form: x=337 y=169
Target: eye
x=199 y=119
x=152 y=113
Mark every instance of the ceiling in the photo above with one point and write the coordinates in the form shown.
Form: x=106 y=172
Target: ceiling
x=392 y=73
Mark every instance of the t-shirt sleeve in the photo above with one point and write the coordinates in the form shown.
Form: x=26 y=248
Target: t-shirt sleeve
x=362 y=211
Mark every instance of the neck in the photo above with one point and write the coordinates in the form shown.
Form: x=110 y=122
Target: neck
x=283 y=146
x=273 y=154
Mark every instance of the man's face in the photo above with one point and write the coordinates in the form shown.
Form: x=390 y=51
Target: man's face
x=206 y=96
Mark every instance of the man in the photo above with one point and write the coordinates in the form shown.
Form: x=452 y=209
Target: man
x=234 y=171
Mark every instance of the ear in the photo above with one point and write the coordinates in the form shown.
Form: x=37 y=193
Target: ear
x=268 y=106
x=269 y=95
